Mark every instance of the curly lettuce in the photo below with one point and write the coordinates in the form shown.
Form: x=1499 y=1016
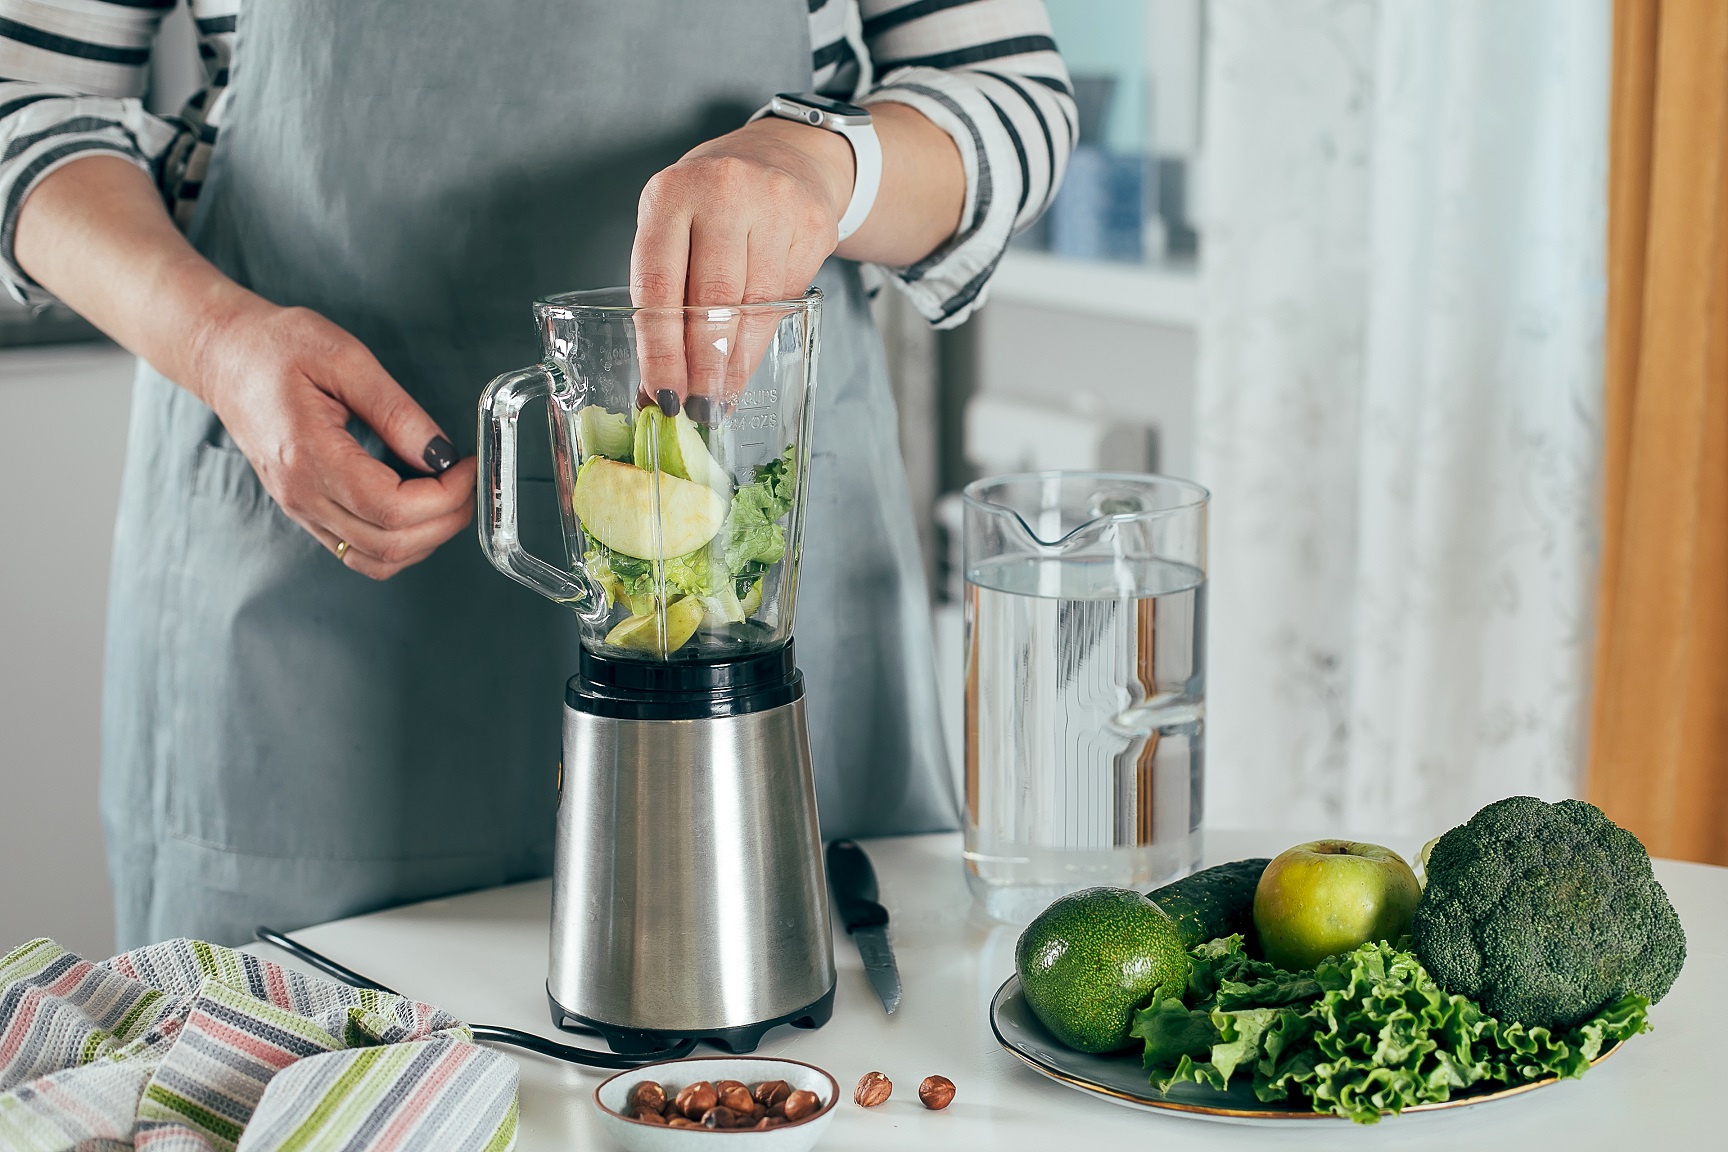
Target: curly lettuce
x=1364 y=1034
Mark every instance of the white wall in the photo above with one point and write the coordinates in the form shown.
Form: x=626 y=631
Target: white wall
x=1106 y=367
x=64 y=410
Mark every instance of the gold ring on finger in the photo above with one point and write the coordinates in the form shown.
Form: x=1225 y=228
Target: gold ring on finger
x=341 y=549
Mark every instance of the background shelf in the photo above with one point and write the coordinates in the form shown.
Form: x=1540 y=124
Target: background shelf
x=1159 y=293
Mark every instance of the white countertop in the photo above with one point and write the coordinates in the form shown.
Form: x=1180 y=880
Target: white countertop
x=482 y=956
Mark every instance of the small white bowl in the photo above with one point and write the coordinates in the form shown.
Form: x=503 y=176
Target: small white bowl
x=636 y=1136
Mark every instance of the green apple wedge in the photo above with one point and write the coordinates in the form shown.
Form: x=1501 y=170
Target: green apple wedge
x=674 y=444
x=615 y=503
x=1330 y=896
x=642 y=632
x=604 y=433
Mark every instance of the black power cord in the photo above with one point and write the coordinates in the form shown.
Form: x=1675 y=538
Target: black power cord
x=492 y=1033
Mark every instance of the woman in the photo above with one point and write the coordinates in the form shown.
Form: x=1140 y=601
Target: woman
x=372 y=195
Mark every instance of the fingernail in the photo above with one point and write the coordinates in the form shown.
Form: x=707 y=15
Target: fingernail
x=440 y=454
x=703 y=410
x=668 y=401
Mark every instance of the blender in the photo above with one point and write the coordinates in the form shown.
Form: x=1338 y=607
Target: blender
x=688 y=897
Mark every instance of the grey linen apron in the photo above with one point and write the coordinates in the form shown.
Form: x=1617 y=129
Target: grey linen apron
x=288 y=742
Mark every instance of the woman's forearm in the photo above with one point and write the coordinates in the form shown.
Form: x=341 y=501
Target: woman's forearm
x=95 y=234
x=922 y=194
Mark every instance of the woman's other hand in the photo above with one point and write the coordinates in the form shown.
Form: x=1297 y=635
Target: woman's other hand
x=750 y=217
x=285 y=382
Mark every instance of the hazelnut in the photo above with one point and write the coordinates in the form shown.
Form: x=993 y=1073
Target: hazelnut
x=735 y=1096
x=872 y=1090
x=800 y=1104
x=648 y=1094
x=682 y=1122
x=778 y=1111
x=671 y=1109
x=648 y=1116
x=936 y=1092
x=772 y=1092
x=770 y=1121
x=695 y=1099
x=720 y=1116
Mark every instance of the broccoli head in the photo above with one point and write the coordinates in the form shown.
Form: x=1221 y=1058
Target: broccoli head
x=1545 y=913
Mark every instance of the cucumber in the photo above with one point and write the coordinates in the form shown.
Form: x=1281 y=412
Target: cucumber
x=1214 y=902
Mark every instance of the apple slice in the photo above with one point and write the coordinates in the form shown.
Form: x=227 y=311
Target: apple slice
x=674 y=444
x=615 y=503
x=642 y=633
x=752 y=599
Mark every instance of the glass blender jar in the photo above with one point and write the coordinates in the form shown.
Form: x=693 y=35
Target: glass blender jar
x=686 y=782
x=681 y=532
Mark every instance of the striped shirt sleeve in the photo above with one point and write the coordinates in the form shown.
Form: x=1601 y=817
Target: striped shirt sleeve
x=72 y=74
x=988 y=73
x=985 y=71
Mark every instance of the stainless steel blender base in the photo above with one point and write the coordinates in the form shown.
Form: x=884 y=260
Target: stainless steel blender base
x=688 y=896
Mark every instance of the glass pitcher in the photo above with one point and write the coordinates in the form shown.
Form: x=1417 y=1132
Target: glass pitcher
x=681 y=532
x=1085 y=684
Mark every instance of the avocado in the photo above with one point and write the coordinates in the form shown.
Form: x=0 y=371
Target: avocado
x=1091 y=958
x=615 y=503
x=1214 y=902
x=604 y=433
x=674 y=444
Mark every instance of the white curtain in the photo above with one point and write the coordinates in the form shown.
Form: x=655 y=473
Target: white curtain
x=1399 y=404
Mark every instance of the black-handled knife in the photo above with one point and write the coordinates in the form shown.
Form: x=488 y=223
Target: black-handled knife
x=866 y=921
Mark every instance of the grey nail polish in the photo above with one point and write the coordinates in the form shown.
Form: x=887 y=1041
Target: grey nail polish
x=440 y=454
x=703 y=410
x=668 y=401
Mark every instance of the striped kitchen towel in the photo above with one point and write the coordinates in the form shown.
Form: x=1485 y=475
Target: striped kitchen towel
x=187 y=1047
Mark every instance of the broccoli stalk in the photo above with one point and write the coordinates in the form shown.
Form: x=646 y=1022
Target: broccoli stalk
x=1546 y=913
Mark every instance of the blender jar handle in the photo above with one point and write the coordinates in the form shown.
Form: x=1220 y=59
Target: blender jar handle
x=500 y=408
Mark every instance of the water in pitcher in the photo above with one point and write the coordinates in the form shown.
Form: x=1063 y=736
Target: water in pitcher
x=1085 y=701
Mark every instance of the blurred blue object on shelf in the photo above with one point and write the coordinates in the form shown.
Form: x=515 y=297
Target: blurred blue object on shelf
x=1101 y=211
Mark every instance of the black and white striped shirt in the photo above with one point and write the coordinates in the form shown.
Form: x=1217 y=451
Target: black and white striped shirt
x=985 y=71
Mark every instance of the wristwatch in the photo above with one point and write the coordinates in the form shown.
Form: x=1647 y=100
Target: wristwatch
x=850 y=121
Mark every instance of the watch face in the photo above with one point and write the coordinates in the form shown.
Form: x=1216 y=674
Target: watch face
x=817 y=110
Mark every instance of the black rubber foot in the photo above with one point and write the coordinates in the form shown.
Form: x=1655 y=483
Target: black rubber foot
x=642 y=1042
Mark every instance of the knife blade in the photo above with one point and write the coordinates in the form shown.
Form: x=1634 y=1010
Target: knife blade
x=866 y=921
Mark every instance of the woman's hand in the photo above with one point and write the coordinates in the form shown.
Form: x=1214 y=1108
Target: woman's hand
x=751 y=216
x=285 y=382
x=743 y=219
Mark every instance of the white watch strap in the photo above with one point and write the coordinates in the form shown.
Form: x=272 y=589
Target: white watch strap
x=867 y=161
x=866 y=164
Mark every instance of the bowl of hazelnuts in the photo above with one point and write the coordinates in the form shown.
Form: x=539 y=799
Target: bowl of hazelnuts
x=677 y=1104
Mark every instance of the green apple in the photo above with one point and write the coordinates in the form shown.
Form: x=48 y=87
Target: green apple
x=674 y=444
x=616 y=505
x=1316 y=900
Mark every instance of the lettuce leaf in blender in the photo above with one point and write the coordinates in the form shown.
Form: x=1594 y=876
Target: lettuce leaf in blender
x=751 y=534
